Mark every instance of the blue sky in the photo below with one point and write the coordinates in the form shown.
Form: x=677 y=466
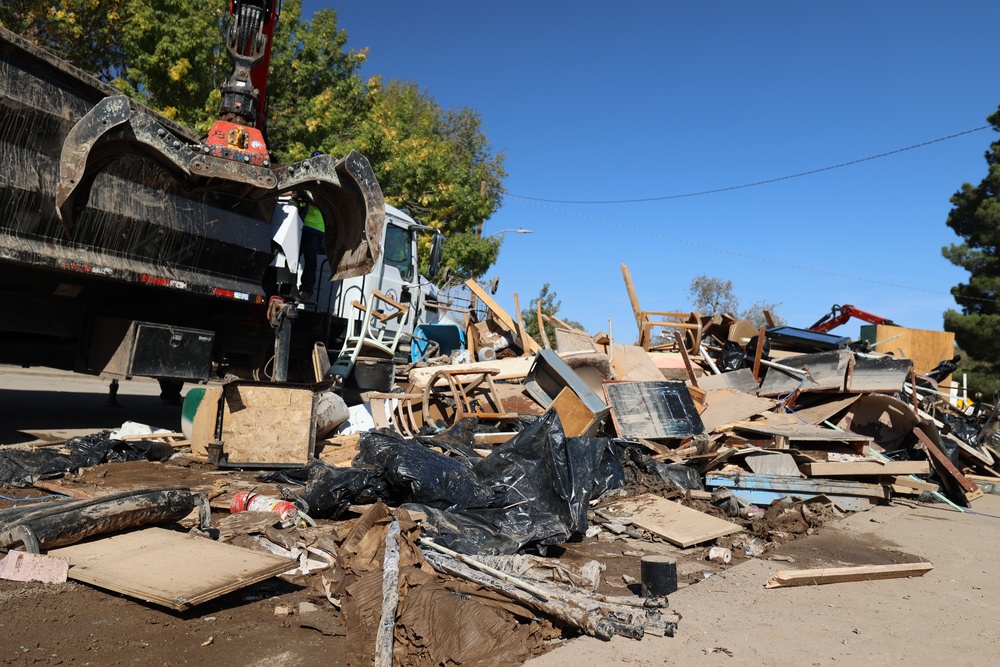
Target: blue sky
x=639 y=100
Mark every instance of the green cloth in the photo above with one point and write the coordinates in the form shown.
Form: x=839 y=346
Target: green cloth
x=314 y=219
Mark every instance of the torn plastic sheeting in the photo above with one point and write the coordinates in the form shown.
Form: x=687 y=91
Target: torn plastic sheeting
x=677 y=474
x=416 y=474
x=20 y=468
x=329 y=490
x=542 y=469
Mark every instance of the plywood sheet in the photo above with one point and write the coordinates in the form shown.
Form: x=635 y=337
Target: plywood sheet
x=877 y=374
x=577 y=419
x=673 y=522
x=165 y=567
x=741 y=379
x=730 y=405
x=926 y=348
x=823 y=371
x=634 y=364
x=265 y=424
x=653 y=410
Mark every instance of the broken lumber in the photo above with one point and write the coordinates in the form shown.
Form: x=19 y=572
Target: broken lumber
x=865 y=468
x=834 y=575
x=672 y=521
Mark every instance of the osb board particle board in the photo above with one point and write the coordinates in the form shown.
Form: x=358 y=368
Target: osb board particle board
x=165 y=567
x=266 y=424
x=672 y=521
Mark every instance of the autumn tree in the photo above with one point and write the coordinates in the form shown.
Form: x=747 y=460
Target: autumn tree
x=975 y=217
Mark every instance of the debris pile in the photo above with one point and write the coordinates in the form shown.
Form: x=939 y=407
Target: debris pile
x=450 y=506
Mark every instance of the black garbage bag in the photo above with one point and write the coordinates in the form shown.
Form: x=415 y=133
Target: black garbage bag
x=21 y=469
x=963 y=429
x=415 y=474
x=541 y=471
x=733 y=357
x=675 y=474
x=328 y=490
x=457 y=440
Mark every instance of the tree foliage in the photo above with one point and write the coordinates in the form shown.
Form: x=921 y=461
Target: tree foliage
x=435 y=163
x=714 y=296
x=550 y=307
x=468 y=256
x=975 y=217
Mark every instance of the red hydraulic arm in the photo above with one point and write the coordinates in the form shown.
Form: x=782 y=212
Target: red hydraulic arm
x=840 y=314
x=239 y=132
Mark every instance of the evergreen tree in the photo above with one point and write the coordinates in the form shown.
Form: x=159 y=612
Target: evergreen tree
x=975 y=217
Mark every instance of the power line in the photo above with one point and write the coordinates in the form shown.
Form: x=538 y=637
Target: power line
x=749 y=185
x=735 y=253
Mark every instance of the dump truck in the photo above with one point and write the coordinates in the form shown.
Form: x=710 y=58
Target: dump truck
x=129 y=246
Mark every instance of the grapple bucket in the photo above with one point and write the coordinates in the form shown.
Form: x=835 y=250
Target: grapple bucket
x=345 y=190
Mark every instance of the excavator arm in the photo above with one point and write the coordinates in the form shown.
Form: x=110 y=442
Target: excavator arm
x=840 y=314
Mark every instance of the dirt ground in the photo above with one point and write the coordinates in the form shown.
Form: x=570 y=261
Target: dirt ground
x=728 y=617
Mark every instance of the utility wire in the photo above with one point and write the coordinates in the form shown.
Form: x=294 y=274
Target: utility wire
x=755 y=258
x=749 y=185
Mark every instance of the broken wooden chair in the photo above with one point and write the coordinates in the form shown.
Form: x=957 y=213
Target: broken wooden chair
x=649 y=320
x=375 y=337
x=449 y=397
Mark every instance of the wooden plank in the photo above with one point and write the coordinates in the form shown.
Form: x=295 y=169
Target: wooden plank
x=510 y=369
x=632 y=363
x=914 y=483
x=500 y=314
x=962 y=488
x=577 y=419
x=653 y=410
x=789 y=427
x=724 y=406
x=834 y=575
x=168 y=568
x=865 y=468
x=492 y=438
x=795 y=486
x=741 y=380
x=673 y=522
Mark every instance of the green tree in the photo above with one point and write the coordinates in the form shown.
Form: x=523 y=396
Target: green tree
x=435 y=163
x=468 y=256
x=711 y=296
x=85 y=32
x=975 y=217
x=550 y=307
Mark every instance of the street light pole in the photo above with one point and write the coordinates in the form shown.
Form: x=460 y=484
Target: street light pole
x=519 y=230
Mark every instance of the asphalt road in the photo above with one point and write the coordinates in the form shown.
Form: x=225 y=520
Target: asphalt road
x=50 y=404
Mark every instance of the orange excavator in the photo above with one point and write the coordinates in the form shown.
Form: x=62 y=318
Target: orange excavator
x=841 y=314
